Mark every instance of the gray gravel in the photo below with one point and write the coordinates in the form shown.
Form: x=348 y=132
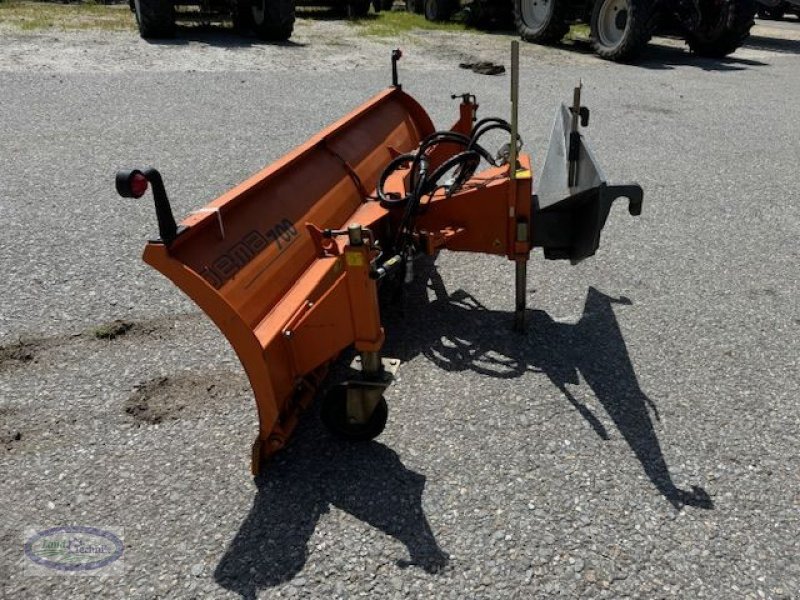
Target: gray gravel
x=639 y=441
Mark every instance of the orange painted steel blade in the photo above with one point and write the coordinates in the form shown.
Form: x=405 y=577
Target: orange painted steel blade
x=248 y=261
x=286 y=264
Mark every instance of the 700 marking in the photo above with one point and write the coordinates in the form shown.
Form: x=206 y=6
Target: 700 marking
x=253 y=243
x=282 y=232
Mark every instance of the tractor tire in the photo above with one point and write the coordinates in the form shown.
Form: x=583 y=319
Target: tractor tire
x=155 y=18
x=541 y=21
x=241 y=17
x=357 y=9
x=622 y=28
x=439 y=10
x=490 y=15
x=415 y=6
x=272 y=20
x=776 y=13
x=726 y=32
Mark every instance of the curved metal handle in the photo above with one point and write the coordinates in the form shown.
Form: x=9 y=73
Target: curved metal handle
x=133 y=184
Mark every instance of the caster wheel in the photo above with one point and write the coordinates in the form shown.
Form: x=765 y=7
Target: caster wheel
x=335 y=418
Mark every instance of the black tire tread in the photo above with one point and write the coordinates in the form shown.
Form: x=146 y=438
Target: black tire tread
x=552 y=33
x=444 y=10
x=155 y=18
x=333 y=416
x=641 y=16
x=278 y=22
x=740 y=19
x=358 y=9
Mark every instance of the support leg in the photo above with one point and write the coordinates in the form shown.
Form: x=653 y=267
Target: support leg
x=521 y=289
x=362 y=400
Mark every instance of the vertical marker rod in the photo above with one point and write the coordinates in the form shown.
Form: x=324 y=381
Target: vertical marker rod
x=521 y=262
x=575 y=137
x=512 y=148
x=520 y=293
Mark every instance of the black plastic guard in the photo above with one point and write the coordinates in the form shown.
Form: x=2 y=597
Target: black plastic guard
x=570 y=229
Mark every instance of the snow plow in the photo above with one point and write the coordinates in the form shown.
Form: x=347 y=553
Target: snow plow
x=289 y=263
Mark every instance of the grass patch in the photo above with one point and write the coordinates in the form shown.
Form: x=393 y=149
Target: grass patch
x=396 y=23
x=34 y=16
x=579 y=32
x=113 y=330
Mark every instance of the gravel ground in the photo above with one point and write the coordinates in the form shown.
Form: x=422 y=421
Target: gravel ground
x=639 y=441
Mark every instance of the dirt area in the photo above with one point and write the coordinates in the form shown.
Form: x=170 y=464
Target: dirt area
x=30 y=350
x=184 y=396
x=19 y=353
x=180 y=396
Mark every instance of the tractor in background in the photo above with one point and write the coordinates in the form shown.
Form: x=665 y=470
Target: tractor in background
x=620 y=29
x=271 y=20
x=777 y=9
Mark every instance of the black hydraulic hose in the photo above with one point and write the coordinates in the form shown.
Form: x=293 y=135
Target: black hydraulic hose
x=481 y=130
x=418 y=166
x=469 y=160
x=486 y=128
x=434 y=139
x=393 y=165
x=440 y=137
x=486 y=121
x=444 y=137
x=422 y=184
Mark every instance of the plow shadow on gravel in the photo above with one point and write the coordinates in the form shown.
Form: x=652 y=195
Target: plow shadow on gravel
x=455 y=332
x=368 y=481
x=313 y=473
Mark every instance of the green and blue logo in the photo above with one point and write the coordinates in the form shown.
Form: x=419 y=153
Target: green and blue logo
x=74 y=548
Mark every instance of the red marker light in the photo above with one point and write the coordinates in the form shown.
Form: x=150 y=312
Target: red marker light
x=138 y=185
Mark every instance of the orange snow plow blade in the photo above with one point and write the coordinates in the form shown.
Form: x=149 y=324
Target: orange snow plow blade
x=248 y=261
x=287 y=264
